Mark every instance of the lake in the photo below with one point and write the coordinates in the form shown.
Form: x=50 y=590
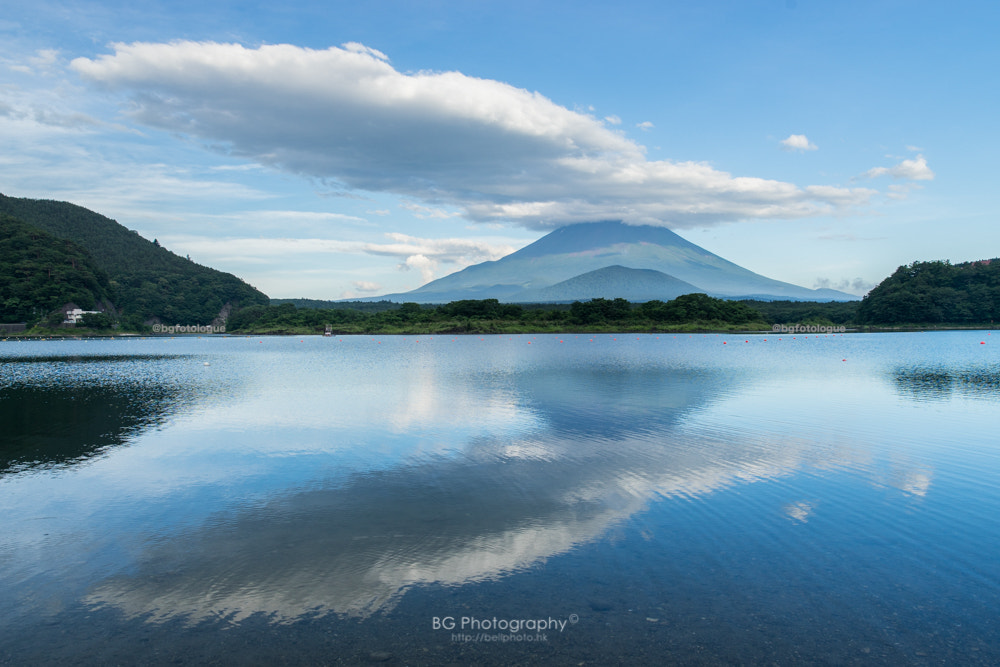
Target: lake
x=551 y=499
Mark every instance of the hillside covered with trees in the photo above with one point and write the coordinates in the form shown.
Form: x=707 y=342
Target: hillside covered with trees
x=145 y=281
x=936 y=292
x=40 y=273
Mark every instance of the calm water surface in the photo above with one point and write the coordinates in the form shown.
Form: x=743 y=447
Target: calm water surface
x=625 y=499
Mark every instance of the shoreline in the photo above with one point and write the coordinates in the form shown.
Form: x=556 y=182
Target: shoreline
x=501 y=331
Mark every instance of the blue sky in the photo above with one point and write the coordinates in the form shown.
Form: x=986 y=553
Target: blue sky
x=331 y=150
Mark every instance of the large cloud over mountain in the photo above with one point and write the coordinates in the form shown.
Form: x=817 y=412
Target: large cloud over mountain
x=493 y=151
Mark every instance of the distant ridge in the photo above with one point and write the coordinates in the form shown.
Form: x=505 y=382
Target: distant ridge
x=572 y=251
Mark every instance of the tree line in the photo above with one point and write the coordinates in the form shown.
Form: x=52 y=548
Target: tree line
x=491 y=316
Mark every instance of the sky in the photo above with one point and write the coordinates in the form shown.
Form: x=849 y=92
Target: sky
x=329 y=150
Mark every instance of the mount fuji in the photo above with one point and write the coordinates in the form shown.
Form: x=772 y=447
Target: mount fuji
x=608 y=259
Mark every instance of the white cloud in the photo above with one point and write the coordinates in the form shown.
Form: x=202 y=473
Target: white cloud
x=857 y=286
x=914 y=170
x=901 y=190
x=30 y=112
x=401 y=245
x=236 y=167
x=483 y=148
x=424 y=255
x=797 y=142
x=41 y=63
x=427 y=255
x=645 y=125
x=424 y=212
x=361 y=288
x=267 y=221
x=425 y=265
x=613 y=120
x=50 y=117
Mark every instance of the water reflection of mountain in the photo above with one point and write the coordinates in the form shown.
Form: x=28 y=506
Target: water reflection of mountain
x=610 y=401
x=63 y=410
x=607 y=445
x=930 y=383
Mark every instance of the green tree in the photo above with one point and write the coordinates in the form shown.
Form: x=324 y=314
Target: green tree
x=600 y=310
x=96 y=321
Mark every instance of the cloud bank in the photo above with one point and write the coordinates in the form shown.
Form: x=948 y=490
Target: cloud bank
x=422 y=254
x=489 y=150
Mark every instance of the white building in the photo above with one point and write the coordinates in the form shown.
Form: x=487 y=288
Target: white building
x=73 y=315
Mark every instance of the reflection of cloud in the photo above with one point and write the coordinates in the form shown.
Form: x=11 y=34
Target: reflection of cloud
x=916 y=483
x=799 y=511
x=911 y=478
x=506 y=502
x=355 y=549
x=508 y=459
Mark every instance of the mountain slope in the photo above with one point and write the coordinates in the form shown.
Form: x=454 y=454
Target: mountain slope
x=581 y=248
x=610 y=283
x=146 y=280
x=40 y=273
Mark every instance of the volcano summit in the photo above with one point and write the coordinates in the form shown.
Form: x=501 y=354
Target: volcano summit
x=608 y=259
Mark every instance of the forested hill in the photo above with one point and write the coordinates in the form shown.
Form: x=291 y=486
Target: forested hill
x=936 y=293
x=145 y=280
x=40 y=273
